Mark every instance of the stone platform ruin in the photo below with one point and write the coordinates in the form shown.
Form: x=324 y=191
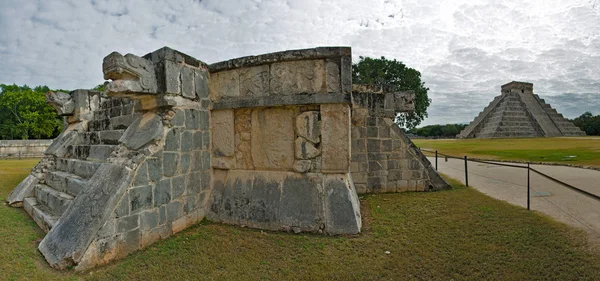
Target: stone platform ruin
x=281 y=141
x=518 y=113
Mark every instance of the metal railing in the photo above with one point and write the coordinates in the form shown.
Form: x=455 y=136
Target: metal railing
x=527 y=166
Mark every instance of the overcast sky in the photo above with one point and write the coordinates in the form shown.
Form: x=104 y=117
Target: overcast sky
x=464 y=49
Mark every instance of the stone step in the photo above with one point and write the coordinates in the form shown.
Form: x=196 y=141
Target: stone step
x=43 y=216
x=108 y=137
x=82 y=168
x=97 y=152
x=65 y=182
x=56 y=201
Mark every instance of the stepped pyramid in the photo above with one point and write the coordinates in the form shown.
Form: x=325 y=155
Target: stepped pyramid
x=519 y=113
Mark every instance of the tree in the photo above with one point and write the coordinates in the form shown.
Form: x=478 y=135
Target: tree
x=395 y=76
x=24 y=113
x=588 y=123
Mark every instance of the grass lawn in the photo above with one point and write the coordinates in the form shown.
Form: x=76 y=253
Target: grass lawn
x=581 y=151
x=459 y=234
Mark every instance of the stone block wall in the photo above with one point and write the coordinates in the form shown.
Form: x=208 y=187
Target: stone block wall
x=281 y=129
x=23 y=148
x=383 y=158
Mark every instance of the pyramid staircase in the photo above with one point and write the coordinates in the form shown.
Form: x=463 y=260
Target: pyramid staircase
x=509 y=119
x=55 y=193
x=518 y=113
x=564 y=125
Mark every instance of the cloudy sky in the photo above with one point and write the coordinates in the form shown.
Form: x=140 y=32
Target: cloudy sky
x=465 y=49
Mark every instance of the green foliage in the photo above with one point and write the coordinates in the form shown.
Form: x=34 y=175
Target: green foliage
x=24 y=113
x=447 y=131
x=99 y=87
x=394 y=75
x=588 y=123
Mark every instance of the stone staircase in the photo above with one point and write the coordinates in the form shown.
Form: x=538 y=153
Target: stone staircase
x=509 y=119
x=61 y=185
x=564 y=125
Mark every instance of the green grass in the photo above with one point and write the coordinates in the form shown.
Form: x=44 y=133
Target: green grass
x=580 y=151
x=459 y=234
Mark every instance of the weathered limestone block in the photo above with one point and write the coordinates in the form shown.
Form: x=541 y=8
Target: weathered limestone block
x=293 y=77
x=60 y=145
x=333 y=77
x=201 y=80
x=68 y=240
x=223 y=132
x=342 y=208
x=62 y=102
x=254 y=81
x=23 y=190
x=335 y=143
x=308 y=126
x=224 y=84
x=142 y=131
x=187 y=83
x=305 y=149
x=272 y=138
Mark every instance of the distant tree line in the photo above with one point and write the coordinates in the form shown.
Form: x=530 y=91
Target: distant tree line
x=588 y=123
x=24 y=113
x=445 y=131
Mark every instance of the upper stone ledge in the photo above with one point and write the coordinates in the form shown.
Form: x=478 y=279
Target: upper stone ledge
x=291 y=55
x=168 y=54
x=517 y=85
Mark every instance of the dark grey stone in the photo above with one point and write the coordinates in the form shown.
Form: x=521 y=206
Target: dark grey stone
x=184 y=164
x=172 y=83
x=303 y=204
x=187 y=83
x=122 y=208
x=59 y=146
x=373 y=145
x=140 y=198
x=190 y=203
x=196 y=161
x=131 y=241
x=342 y=209
x=191 y=119
x=187 y=141
x=79 y=224
x=141 y=176
x=139 y=134
x=127 y=224
x=193 y=183
x=162 y=214
x=198 y=140
x=203 y=120
x=174 y=210
x=172 y=140
x=23 y=190
x=386 y=145
x=264 y=202
x=154 y=168
x=205 y=140
x=178 y=185
x=162 y=192
x=149 y=220
x=170 y=161
x=179 y=118
x=205 y=159
x=201 y=80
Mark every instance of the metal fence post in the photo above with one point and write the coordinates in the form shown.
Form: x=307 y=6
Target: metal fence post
x=436 y=157
x=528 y=190
x=466 y=173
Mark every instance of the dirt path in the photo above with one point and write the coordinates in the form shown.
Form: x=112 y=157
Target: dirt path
x=510 y=184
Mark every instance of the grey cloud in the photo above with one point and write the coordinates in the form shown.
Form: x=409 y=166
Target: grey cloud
x=464 y=50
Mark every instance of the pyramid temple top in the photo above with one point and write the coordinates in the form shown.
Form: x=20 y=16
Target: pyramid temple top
x=516 y=86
